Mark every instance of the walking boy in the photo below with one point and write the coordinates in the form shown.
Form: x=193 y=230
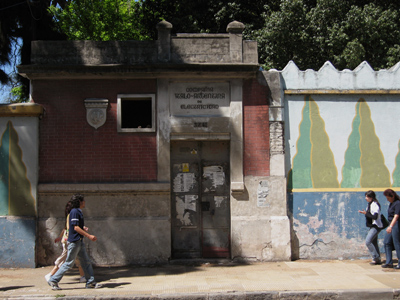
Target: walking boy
x=76 y=247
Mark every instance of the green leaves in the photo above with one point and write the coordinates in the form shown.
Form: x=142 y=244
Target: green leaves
x=99 y=20
x=309 y=32
x=18 y=94
x=353 y=54
x=343 y=32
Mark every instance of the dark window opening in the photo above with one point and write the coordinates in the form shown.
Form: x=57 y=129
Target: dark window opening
x=136 y=113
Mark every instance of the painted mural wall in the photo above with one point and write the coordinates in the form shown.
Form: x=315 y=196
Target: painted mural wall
x=18 y=182
x=339 y=145
x=344 y=144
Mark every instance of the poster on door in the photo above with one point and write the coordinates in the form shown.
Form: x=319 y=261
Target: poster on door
x=184 y=182
x=185 y=207
x=216 y=175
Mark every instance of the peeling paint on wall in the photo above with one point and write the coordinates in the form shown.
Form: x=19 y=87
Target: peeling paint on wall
x=327 y=224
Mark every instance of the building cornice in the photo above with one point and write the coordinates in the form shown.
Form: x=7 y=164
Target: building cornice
x=138 y=71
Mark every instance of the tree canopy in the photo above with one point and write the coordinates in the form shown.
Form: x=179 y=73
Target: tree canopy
x=345 y=33
x=20 y=23
x=309 y=32
x=98 y=20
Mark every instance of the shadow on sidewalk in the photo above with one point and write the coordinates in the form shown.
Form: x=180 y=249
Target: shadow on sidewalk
x=8 y=288
x=175 y=267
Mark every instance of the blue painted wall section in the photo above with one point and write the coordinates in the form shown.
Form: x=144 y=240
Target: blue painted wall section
x=17 y=238
x=329 y=225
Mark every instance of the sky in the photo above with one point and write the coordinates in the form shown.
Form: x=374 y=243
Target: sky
x=5 y=89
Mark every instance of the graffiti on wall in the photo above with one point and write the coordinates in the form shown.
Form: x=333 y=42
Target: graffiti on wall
x=343 y=144
x=16 y=198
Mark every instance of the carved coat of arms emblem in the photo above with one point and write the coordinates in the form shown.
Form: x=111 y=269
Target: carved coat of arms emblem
x=96 y=111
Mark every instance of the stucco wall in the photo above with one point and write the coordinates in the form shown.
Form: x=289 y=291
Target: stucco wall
x=260 y=226
x=260 y=223
x=341 y=141
x=18 y=180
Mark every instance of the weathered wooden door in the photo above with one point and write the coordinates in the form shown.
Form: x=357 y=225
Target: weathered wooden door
x=200 y=199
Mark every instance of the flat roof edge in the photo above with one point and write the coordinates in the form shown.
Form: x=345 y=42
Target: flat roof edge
x=21 y=110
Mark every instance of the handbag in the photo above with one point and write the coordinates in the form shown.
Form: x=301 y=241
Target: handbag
x=65 y=236
x=66 y=231
x=385 y=222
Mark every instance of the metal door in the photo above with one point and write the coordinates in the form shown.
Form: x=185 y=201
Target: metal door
x=200 y=199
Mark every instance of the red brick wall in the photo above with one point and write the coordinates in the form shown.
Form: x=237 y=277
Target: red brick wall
x=72 y=151
x=256 y=128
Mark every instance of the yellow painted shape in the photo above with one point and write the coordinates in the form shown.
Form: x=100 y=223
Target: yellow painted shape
x=323 y=169
x=374 y=172
x=21 y=201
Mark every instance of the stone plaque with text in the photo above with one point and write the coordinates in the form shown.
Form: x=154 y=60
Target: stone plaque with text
x=200 y=99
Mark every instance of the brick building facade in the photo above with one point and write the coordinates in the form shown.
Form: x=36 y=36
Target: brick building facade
x=168 y=140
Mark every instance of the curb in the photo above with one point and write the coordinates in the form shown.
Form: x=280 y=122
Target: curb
x=384 y=294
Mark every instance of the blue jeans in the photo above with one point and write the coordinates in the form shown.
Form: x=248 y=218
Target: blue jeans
x=392 y=242
x=371 y=241
x=75 y=249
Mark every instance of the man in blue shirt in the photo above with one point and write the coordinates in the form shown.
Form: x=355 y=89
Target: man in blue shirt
x=76 y=247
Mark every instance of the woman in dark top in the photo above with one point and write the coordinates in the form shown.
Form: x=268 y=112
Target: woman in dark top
x=392 y=237
x=373 y=221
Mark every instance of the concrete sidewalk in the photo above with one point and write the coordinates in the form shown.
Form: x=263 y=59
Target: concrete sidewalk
x=215 y=280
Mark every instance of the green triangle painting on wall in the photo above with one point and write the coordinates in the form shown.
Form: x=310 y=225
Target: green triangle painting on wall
x=15 y=188
x=313 y=165
x=364 y=161
x=299 y=176
x=351 y=171
x=396 y=172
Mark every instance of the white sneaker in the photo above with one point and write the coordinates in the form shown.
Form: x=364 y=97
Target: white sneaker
x=54 y=285
x=47 y=277
x=82 y=279
x=94 y=285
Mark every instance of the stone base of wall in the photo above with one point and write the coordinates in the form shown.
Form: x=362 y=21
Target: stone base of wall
x=120 y=241
x=17 y=248
x=131 y=222
x=262 y=239
x=260 y=225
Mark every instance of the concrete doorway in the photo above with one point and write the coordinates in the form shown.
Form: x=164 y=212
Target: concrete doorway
x=200 y=199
